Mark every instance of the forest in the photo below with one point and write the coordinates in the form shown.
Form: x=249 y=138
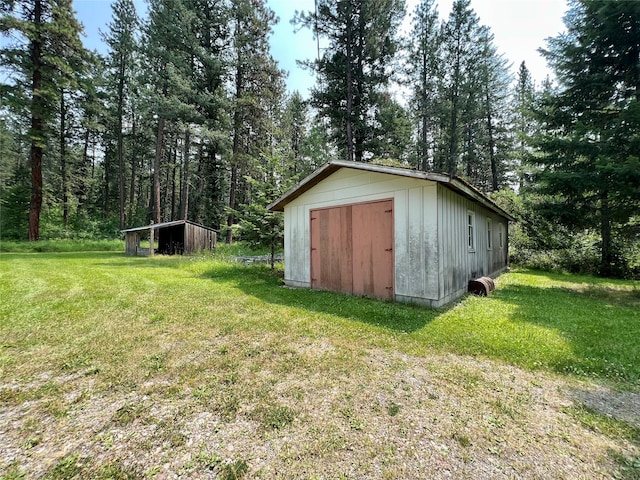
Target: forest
x=187 y=116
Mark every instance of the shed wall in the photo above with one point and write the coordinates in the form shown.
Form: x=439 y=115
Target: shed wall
x=415 y=227
x=197 y=238
x=458 y=264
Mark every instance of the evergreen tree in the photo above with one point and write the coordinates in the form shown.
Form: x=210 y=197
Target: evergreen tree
x=589 y=149
x=257 y=86
x=495 y=80
x=45 y=33
x=523 y=122
x=169 y=51
x=424 y=71
x=356 y=67
x=122 y=43
x=458 y=81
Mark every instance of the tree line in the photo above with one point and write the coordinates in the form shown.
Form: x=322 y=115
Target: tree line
x=187 y=116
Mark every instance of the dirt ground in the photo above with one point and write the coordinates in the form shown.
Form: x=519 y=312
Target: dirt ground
x=384 y=416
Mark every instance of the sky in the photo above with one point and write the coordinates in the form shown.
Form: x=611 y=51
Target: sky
x=520 y=28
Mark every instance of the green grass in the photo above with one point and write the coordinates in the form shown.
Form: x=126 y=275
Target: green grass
x=145 y=347
x=62 y=246
x=111 y=315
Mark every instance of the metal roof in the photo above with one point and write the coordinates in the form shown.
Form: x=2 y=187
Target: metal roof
x=174 y=223
x=454 y=183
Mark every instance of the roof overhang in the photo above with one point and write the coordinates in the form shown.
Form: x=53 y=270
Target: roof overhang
x=456 y=184
x=156 y=226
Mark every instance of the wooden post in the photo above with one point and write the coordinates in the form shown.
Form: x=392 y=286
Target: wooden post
x=151 y=242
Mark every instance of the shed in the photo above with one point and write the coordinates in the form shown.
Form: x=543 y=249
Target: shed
x=391 y=233
x=178 y=237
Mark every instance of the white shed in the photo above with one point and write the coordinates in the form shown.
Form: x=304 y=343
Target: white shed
x=390 y=233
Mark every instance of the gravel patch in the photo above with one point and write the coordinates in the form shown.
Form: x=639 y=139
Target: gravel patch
x=324 y=411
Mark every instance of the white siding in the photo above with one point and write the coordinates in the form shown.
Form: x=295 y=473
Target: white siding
x=431 y=260
x=457 y=263
x=414 y=245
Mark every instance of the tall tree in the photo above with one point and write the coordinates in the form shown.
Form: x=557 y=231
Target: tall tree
x=356 y=67
x=424 y=71
x=44 y=32
x=523 y=126
x=169 y=51
x=589 y=150
x=122 y=43
x=458 y=79
x=256 y=81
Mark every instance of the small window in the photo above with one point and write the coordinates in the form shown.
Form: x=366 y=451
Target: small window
x=471 y=234
x=501 y=236
x=489 y=234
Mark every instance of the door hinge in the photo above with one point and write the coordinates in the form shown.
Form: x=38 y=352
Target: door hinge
x=388 y=211
x=388 y=249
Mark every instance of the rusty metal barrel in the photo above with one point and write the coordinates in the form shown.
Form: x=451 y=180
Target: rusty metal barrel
x=481 y=286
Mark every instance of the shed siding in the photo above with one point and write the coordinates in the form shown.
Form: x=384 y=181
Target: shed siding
x=415 y=227
x=457 y=263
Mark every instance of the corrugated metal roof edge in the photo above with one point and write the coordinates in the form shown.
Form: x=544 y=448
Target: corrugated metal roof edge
x=167 y=224
x=455 y=183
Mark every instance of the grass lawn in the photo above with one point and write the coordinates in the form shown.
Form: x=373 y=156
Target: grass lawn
x=124 y=367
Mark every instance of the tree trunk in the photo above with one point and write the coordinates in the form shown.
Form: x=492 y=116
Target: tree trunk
x=134 y=165
x=607 y=260
x=63 y=162
x=37 y=106
x=120 y=147
x=185 y=175
x=233 y=186
x=349 y=85
x=156 y=171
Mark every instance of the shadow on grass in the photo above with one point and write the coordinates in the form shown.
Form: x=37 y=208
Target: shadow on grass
x=601 y=325
x=266 y=285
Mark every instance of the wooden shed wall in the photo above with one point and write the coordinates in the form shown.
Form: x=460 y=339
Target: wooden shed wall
x=415 y=227
x=432 y=263
x=197 y=238
x=457 y=263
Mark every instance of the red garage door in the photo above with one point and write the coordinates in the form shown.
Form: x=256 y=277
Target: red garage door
x=352 y=249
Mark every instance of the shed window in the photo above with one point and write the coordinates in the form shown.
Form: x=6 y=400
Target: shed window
x=489 y=234
x=501 y=236
x=471 y=234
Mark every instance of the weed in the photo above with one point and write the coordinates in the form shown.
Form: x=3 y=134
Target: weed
x=66 y=469
x=208 y=460
x=629 y=466
x=463 y=440
x=275 y=417
x=155 y=363
x=14 y=472
x=115 y=470
x=393 y=409
x=233 y=470
x=600 y=423
x=128 y=413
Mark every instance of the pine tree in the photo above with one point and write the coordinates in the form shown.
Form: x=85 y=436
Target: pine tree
x=257 y=84
x=591 y=140
x=458 y=83
x=46 y=33
x=424 y=71
x=169 y=51
x=355 y=68
x=122 y=43
x=523 y=126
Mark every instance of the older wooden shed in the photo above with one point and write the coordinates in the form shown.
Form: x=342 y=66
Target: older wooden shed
x=172 y=238
x=390 y=233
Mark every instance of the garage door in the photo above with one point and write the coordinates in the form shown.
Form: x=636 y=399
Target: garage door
x=352 y=249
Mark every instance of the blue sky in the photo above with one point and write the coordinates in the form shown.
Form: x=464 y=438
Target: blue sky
x=520 y=28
